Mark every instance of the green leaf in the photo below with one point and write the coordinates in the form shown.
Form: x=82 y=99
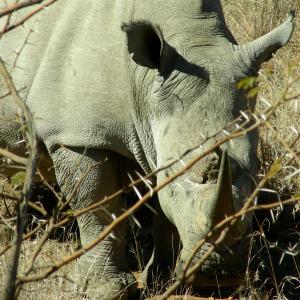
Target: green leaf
x=253 y=92
x=69 y=212
x=247 y=83
x=275 y=168
x=18 y=178
x=24 y=127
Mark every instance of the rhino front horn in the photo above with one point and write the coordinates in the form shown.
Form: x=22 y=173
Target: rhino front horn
x=223 y=197
x=223 y=201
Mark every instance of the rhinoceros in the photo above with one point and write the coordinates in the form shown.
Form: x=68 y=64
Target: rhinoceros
x=117 y=84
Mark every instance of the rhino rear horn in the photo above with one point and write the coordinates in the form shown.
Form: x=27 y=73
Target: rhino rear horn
x=261 y=49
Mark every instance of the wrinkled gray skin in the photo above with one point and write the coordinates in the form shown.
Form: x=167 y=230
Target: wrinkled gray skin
x=124 y=82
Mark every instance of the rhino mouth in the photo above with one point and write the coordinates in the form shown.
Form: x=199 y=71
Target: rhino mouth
x=223 y=263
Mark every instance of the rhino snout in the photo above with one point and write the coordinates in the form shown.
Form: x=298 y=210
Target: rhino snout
x=224 y=261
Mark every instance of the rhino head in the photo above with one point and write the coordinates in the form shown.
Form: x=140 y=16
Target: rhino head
x=188 y=70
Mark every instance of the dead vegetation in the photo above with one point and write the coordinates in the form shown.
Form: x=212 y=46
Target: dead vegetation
x=276 y=237
x=273 y=271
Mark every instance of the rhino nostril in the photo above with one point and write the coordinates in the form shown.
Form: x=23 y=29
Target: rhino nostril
x=213 y=167
x=212 y=176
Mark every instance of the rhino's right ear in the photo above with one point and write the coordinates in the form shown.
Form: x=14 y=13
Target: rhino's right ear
x=145 y=43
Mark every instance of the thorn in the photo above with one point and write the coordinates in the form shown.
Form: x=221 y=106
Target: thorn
x=237 y=126
x=256 y=118
x=20 y=142
x=294 y=129
x=111 y=215
x=263 y=117
x=293 y=254
x=268 y=190
x=182 y=162
x=135 y=188
x=266 y=102
x=136 y=221
x=137 y=192
x=281 y=258
x=272 y=215
x=255 y=200
x=293 y=247
x=244 y=115
x=112 y=236
x=151 y=208
x=146 y=182
x=226 y=132
x=149 y=181
x=229 y=250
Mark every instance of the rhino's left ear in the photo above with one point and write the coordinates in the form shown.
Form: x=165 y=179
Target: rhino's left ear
x=261 y=50
x=145 y=42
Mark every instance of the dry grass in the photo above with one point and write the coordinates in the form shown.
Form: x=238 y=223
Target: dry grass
x=55 y=287
x=247 y=20
x=277 y=233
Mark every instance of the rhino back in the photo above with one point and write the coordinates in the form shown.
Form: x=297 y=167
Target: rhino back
x=76 y=76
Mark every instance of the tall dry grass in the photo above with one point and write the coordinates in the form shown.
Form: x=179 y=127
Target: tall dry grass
x=276 y=239
x=249 y=19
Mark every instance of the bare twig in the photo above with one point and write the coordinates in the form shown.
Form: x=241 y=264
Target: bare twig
x=14 y=157
x=17 y=6
x=26 y=236
x=30 y=203
x=23 y=204
x=42 y=242
x=28 y=16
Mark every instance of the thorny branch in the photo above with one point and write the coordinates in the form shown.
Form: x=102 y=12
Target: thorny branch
x=10 y=9
x=31 y=204
x=10 y=289
x=24 y=197
x=17 y=6
x=230 y=221
x=14 y=157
